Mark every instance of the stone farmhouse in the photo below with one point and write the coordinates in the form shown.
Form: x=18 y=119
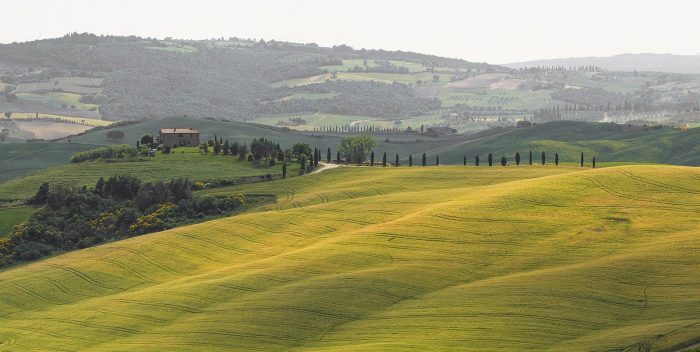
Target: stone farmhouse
x=179 y=137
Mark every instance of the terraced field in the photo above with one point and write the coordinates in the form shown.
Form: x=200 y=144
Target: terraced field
x=395 y=259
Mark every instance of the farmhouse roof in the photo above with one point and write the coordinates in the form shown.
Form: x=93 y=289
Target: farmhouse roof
x=178 y=130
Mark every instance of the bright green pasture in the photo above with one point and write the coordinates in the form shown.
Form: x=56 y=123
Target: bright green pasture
x=396 y=259
x=195 y=166
x=13 y=215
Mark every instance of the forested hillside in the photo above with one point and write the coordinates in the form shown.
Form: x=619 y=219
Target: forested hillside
x=227 y=78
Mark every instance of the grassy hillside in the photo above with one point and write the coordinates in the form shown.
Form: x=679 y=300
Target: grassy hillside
x=245 y=132
x=195 y=166
x=11 y=216
x=529 y=258
x=17 y=159
x=610 y=142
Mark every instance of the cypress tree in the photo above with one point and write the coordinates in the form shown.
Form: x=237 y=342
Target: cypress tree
x=490 y=159
x=465 y=160
x=328 y=155
x=476 y=161
x=437 y=160
x=543 y=158
x=530 y=157
x=425 y=160
x=284 y=170
x=371 y=159
x=517 y=158
x=581 y=159
x=504 y=161
x=410 y=160
x=556 y=159
x=138 y=146
x=302 y=162
x=397 y=160
x=594 y=161
x=384 y=160
x=337 y=157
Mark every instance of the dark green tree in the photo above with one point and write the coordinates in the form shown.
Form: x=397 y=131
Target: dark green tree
x=328 y=155
x=465 y=160
x=397 y=160
x=371 y=159
x=476 y=161
x=517 y=158
x=581 y=159
x=556 y=159
x=226 y=148
x=337 y=157
x=410 y=160
x=138 y=145
x=302 y=162
x=284 y=170
x=425 y=160
x=490 y=159
x=594 y=161
x=544 y=159
x=384 y=160
x=504 y=161
x=437 y=160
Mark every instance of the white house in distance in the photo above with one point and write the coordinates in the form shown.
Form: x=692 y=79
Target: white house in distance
x=179 y=137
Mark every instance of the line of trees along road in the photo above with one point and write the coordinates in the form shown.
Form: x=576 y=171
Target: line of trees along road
x=359 y=149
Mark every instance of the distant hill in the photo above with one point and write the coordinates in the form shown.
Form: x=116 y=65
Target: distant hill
x=132 y=77
x=625 y=62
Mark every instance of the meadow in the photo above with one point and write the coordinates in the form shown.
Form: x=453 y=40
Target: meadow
x=56 y=100
x=17 y=159
x=13 y=215
x=391 y=259
x=193 y=165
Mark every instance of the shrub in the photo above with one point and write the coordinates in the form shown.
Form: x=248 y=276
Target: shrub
x=115 y=135
x=123 y=151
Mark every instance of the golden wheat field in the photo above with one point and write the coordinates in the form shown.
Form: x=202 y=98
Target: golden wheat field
x=392 y=259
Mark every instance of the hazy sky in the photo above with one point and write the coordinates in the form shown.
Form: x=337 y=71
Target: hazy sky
x=496 y=31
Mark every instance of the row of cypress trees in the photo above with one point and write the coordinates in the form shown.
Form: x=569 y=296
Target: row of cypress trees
x=504 y=160
x=424 y=160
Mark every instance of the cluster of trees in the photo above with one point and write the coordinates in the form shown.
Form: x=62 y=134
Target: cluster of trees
x=123 y=151
x=356 y=149
x=382 y=66
x=117 y=207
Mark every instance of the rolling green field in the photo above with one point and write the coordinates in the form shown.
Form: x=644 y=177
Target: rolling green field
x=195 y=166
x=17 y=159
x=56 y=100
x=505 y=98
x=397 y=259
x=11 y=216
x=609 y=142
